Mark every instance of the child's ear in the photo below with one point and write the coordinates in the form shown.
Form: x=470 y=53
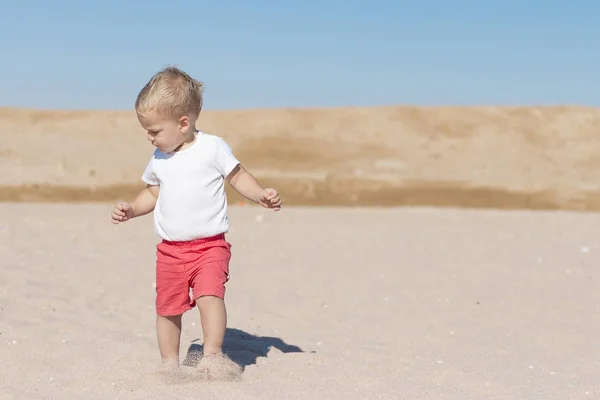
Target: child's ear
x=184 y=123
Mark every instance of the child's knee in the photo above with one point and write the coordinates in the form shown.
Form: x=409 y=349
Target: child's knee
x=175 y=319
x=209 y=300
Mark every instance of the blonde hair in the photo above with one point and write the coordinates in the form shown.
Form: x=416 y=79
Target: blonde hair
x=173 y=93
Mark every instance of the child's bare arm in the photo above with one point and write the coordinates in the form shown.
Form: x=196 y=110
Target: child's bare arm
x=247 y=185
x=144 y=203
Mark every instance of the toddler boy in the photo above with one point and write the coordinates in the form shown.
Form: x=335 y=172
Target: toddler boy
x=185 y=189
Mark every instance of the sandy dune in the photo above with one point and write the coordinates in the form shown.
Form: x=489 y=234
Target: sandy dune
x=546 y=157
x=324 y=304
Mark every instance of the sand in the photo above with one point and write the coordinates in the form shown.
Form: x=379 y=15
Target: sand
x=323 y=303
x=501 y=157
x=486 y=288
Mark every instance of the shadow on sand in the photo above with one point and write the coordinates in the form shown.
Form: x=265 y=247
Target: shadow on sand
x=242 y=348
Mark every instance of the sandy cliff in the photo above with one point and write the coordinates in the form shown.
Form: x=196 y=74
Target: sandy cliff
x=546 y=157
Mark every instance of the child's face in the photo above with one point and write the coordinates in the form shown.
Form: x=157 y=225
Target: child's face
x=167 y=134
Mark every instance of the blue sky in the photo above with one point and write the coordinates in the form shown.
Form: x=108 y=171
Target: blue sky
x=253 y=54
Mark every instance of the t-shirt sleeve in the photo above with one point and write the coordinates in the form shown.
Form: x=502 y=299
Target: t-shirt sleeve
x=148 y=176
x=225 y=161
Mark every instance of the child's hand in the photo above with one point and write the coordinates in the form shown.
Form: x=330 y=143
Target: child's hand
x=121 y=212
x=269 y=198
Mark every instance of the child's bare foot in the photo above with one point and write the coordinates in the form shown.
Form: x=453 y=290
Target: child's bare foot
x=218 y=367
x=169 y=366
x=173 y=373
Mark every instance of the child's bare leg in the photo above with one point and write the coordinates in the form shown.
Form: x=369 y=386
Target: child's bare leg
x=213 y=317
x=168 y=331
x=214 y=363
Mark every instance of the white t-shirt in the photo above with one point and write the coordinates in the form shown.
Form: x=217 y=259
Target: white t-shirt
x=192 y=203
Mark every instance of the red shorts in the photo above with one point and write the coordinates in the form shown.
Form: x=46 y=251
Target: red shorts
x=201 y=265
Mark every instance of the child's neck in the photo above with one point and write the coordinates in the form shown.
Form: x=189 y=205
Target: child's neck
x=190 y=138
